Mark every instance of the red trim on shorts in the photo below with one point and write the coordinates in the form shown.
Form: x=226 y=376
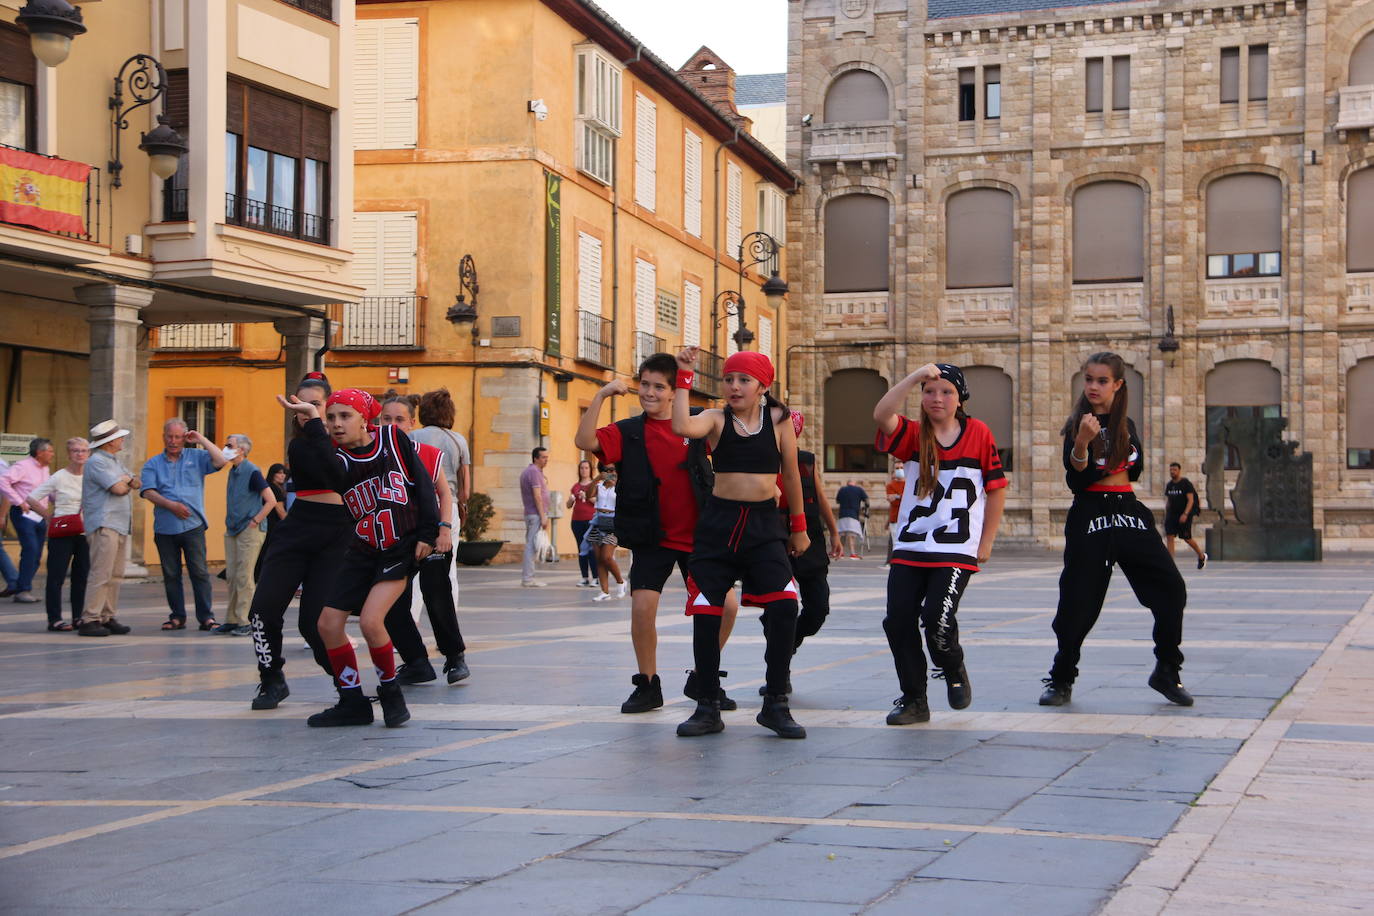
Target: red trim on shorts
x=312 y=492
x=706 y=609
x=969 y=566
x=1110 y=488
x=768 y=598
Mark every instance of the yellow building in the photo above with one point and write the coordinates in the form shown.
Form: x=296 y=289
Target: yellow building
x=602 y=197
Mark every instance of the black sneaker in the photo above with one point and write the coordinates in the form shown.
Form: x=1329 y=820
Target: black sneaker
x=394 y=712
x=456 y=668
x=648 y=694
x=271 y=691
x=705 y=721
x=116 y=628
x=1165 y=679
x=1202 y=561
x=777 y=715
x=352 y=709
x=957 y=687
x=1057 y=693
x=690 y=691
x=223 y=629
x=416 y=672
x=92 y=628
x=909 y=711
x=763 y=688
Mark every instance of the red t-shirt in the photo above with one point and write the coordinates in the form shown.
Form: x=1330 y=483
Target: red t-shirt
x=894 y=488
x=432 y=458
x=677 y=505
x=584 y=510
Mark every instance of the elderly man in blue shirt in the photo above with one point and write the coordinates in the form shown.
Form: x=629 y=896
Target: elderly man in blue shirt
x=174 y=482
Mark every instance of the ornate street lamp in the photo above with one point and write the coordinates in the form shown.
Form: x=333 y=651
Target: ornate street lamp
x=760 y=247
x=51 y=24
x=462 y=310
x=147 y=83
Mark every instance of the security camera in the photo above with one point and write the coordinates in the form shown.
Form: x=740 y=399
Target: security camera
x=806 y=120
x=541 y=111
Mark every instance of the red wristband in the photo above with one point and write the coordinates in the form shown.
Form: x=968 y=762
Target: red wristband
x=685 y=377
x=797 y=522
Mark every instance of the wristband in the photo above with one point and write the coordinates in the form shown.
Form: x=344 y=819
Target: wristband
x=797 y=522
x=448 y=525
x=1074 y=456
x=685 y=377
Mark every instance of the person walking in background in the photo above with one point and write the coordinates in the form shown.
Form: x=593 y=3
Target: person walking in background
x=602 y=536
x=107 y=513
x=248 y=501
x=7 y=567
x=21 y=479
x=811 y=570
x=534 y=495
x=58 y=499
x=895 y=485
x=276 y=480
x=582 y=502
x=174 y=482
x=1181 y=507
x=436 y=413
x=852 y=500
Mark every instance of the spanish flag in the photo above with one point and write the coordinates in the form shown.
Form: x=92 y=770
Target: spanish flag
x=42 y=192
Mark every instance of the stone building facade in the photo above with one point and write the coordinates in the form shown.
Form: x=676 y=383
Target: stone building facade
x=1012 y=188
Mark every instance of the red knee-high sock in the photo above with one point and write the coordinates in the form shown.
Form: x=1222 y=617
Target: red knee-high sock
x=384 y=657
x=344 y=661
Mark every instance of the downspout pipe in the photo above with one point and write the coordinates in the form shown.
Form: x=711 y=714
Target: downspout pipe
x=715 y=239
x=319 y=354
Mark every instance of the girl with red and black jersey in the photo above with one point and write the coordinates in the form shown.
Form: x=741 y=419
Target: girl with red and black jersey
x=391 y=499
x=1107 y=525
x=947 y=521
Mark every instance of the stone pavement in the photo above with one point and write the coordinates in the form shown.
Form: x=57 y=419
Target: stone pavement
x=134 y=777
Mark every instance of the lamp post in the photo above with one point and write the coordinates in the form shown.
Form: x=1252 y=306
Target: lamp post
x=147 y=83
x=462 y=310
x=1169 y=343
x=760 y=247
x=51 y=24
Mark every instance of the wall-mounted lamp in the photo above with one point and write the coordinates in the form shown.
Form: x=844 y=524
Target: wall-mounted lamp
x=462 y=310
x=51 y=24
x=147 y=83
x=760 y=247
x=1168 y=343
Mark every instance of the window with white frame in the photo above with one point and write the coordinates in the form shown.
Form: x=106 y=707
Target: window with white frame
x=646 y=285
x=766 y=336
x=691 y=314
x=691 y=183
x=592 y=330
x=734 y=207
x=198 y=414
x=386 y=83
x=598 y=112
x=773 y=212
x=731 y=326
x=385 y=246
x=646 y=152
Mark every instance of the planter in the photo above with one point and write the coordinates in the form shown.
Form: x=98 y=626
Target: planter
x=477 y=553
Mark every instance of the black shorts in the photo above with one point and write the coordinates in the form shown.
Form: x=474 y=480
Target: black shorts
x=361 y=568
x=1174 y=528
x=650 y=567
x=744 y=541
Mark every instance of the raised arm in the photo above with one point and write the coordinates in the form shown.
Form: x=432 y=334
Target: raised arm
x=889 y=406
x=217 y=459
x=586 y=429
x=704 y=423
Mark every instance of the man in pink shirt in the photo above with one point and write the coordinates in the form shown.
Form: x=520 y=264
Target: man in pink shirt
x=22 y=478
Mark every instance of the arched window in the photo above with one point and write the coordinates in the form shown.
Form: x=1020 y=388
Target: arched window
x=1135 y=392
x=857 y=95
x=856 y=243
x=850 y=396
x=1359 y=415
x=1244 y=226
x=1359 y=220
x=1362 y=62
x=1109 y=233
x=1242 y=388
x=991 y=401
x=978 y=239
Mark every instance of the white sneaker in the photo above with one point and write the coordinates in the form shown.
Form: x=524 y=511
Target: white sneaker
x=621 y=589
x=534 y=583
x=585 y=583
x=604 y=596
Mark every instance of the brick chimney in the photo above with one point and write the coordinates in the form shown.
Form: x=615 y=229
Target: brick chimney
x=712 y=77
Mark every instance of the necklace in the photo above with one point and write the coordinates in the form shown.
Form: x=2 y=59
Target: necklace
x=744 y=430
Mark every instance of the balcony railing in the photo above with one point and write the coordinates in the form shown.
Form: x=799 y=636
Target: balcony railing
x=595 y=339
x=380 y=323
x=709 y=373
x=646 y=345
x=258 y=214
x=1356 y=108
x=855 y=310
x=1359 y=294
x=853 y=142
x=980 y=306
x=217 y=336
x=322 y=8
x=90 y=206
x=1244 y=297
x=1108 y=301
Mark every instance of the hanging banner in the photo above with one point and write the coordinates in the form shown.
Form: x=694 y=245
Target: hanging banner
x=42 y=192
x=553 y=264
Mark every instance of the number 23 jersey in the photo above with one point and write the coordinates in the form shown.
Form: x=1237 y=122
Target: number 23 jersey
x=946 y=527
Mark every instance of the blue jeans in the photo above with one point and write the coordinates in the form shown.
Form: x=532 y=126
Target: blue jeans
x=31 y=537
x=170 y=550
x=7 y=569
x=586 y=562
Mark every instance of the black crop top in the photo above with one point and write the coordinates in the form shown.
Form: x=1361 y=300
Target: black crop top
x=757 y=454
x=312 y=460
x=1079 y=481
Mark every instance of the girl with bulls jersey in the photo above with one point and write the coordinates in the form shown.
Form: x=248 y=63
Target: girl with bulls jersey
x=950 y=510
x=391 y=499
x=1107 y=525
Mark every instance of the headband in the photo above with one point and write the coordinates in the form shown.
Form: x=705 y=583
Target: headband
x=955 y=376
x=755 y=365
x=798 y=421
x=358 y=399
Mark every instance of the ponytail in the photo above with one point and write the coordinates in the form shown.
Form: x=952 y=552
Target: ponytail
x=316 y=380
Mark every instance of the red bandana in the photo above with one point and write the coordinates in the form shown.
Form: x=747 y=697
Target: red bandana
x=754 y=365
x=798 y=421
x=358 y=399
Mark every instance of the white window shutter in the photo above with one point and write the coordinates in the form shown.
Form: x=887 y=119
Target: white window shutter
x=589 y=273
x=365 y=248
x=731 y=326
x=691 y=314
x=734 y=208
x=646 y=281
x=646 y=152
x=766 y=336
x=691 y=183
x=367 y=84
x=399 y=248
x=400 y=83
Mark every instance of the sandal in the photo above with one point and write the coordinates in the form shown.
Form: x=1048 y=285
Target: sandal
x=60 y=626
x=208 y=625
x=173 y=624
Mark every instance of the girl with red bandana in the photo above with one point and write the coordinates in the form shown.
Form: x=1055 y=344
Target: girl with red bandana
x=391 y=498
x=740 y=534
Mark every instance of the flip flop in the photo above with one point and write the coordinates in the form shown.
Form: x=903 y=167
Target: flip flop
x=60 y=627
x=209 y=624
x=173 y=624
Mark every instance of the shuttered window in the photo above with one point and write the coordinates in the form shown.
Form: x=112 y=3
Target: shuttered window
x=1359 y=226
x=978 y=239
x=734 y=208
x=588 y=273
x=1230 y=74
x=1108 y=232
x=646 y=152
x=731 y=326
x=386 y=83
x=1244 y=383
x=177 y=108
x=691 y=314
x=646 y=283
x=1244 y=226
x=995 y=406
x=1359 y=425
x=384 y=253
x=766 y=336
x=1121 y=83
x=856 y=244
x=772 y=212
x=856 y=95
x=1092 y=69
x=1362 y=62
x=18 y=79
x=691 y=183
x=850 y=396
x=1257 y=72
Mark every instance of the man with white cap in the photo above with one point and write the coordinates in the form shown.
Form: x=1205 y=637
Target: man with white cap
x=107 y=513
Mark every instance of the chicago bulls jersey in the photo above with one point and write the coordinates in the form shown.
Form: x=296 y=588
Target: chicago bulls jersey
x=431 y=457
x=380 y=489
x=946 y=527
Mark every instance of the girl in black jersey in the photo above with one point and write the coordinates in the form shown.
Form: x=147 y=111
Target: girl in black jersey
x=302 y=552
x=1107 y=525
x=740 y=535
x=391 y=498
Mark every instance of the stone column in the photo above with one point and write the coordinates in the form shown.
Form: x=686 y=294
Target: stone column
x=304 y=335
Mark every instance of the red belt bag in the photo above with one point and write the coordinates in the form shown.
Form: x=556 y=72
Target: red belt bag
x=65 y=526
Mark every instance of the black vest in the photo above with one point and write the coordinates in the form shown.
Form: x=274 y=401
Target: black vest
x=637 y=522
x=811 y=507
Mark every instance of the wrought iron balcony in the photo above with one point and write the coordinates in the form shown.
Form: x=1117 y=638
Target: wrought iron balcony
x=710 y=372
x=380 y=323
x=595 y=339
x=258 y=214
x=646 y=345
x=89 y=217
x=321 y=8
x=217 y=336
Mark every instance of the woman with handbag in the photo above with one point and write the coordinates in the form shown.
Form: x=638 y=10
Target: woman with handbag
x=58 y=499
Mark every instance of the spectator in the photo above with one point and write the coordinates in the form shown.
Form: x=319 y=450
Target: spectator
x=7 y=567
x=435 y=413
x=582 y=502
x=106 y=512
x=21 y=479
x=895 y=487
x=534 y=493
x=248 y=500
x=174 y=482
x=276 y=479
x=58 y=499
x=851 y=499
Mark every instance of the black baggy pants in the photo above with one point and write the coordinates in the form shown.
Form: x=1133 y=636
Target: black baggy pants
x=811 y=572
x=1102 y=530
x=923 y=596
x=443 y=616
x=66 y=552
x=304 y=553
